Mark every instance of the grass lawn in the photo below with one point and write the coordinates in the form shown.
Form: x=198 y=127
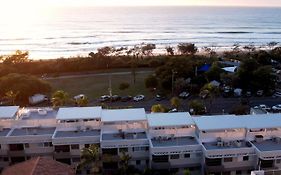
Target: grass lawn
x=95 y=86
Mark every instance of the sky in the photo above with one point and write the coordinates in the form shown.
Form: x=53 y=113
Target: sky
x=37 y=3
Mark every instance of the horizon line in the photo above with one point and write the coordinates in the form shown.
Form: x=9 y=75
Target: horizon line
x=230 y=6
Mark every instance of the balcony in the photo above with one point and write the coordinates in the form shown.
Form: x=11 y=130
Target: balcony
x=160 y=145
x=76 y=137
x=268 y=149
x=30 y=135
x=124 y=139
x=227 y=149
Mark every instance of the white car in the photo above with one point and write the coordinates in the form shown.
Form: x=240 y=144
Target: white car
x=138 y=97
x=276 y=107
x=262 y=106
x=184 y=95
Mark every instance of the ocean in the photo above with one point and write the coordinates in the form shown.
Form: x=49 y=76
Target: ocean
x=78 y=31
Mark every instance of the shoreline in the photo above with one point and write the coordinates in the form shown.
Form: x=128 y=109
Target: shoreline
x=159 y=51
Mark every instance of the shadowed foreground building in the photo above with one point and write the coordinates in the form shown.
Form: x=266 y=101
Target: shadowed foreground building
x=166 y=142
x=39 y=166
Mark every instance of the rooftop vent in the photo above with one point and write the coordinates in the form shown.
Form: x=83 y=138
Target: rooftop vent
x=258 y=138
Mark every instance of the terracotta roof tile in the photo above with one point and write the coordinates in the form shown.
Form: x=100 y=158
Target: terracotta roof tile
x=39 y=166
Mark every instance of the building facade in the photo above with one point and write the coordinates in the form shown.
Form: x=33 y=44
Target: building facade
x=166 y=142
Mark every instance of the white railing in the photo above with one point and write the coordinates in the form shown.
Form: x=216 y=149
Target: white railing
x=178 y=149
x=76 y=140
x=124 y=143
x=28 y=139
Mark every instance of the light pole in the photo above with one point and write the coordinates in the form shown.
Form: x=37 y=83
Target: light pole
x=173 y=76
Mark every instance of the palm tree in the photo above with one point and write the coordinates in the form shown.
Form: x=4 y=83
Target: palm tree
x=90 y=159
x=59 y=98
x=11 y=96
x=175 y=102
x=213 y=93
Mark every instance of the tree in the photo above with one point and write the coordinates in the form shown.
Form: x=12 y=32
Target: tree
x=214 y=72
x=90 y=159
x=186 y=172
x=151 y=82
x=124 y=163
x=105 y=51
x=180 y=84
x=158 y=108
x=213 y=93
x=82 y=102
x=147 y=49
x=170 y=50
x=17 y=57
x=272 y=44
x=22 y=86
x=124 y=86
x=187 y=48
x=175 y=102
x=263 y=79
x=197 y=107
x=11 y=96
x=59 y=98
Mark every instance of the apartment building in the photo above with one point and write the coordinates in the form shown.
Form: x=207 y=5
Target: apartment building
x=225 y=146
x=173 y=143
x=167 y=142
x=124 y=131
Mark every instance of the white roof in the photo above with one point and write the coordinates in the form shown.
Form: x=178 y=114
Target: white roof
x=116 y=115
x=262 y=121
x=218 y=122
x=8 y=112
x=169 y=119
x=230 y=69
x=79 y=113
x=234 y=122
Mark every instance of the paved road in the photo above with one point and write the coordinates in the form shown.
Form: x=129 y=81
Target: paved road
x=95 y=74
x=219 y=106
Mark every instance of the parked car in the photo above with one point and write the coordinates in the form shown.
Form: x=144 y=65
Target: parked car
x=184 y=95
x=262 y=106
x=126 y=98
x=260 y=93
x=173 y=110
x=104 y=98
x=276 y=107
x=115 y=98
x=160 y=97
x=139 y=98
x=248 y=94
x=276 y=94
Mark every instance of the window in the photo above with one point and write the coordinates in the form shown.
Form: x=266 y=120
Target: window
x=0 y=146
x=238 y=172
x=87 y=145
x=26 y=145
x=6 y=159
x=175 y=156
x=147 y=161
x=140 y=149
x=278 y=161
x=75 y=146
x=48 y=144
x=138 y=162
x=245 y=158
x=123 y=150
x=76 y=159
x=227 y=159
x=186 y=155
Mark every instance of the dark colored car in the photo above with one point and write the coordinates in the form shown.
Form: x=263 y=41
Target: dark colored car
x=126 y=98
x=115 y=98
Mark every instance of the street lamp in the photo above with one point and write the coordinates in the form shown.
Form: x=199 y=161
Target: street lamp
x=173 y=76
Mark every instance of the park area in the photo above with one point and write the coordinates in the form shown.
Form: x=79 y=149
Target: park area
x=96 y=85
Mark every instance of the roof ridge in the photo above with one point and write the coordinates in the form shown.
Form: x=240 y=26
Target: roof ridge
x=35 y=165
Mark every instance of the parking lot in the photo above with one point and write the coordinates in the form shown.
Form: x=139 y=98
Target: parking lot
x=219 y=105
